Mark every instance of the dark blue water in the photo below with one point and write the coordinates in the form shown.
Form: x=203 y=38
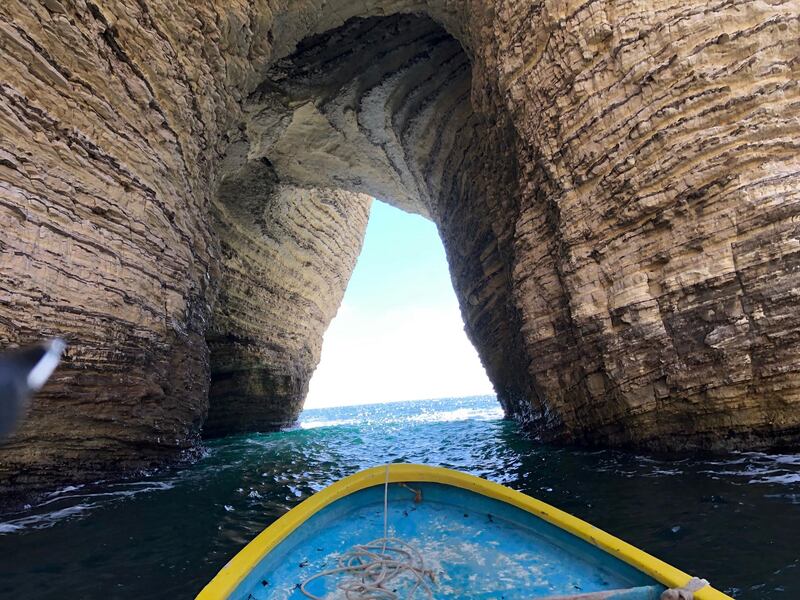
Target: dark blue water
x=734 y=520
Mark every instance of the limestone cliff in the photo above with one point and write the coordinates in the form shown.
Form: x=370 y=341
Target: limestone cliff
x=184 y=187
x=287 y=254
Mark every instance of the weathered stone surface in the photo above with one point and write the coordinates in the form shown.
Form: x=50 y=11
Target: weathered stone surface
x=287 y=254
x=617 y=186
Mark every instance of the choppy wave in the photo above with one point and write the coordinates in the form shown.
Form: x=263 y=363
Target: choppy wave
x=459 y=414
x=37 y=521
x=323 y=423
x=76 y=501
x=425 y=415
x=173 y=528
x=739 y=468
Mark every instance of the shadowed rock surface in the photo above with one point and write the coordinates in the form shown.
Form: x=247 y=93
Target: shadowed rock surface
x=287 y=254
x=184 y=189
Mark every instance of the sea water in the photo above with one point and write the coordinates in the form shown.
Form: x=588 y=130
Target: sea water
x=732 y=519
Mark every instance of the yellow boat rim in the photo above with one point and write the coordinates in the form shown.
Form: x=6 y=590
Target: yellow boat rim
x=235 y=571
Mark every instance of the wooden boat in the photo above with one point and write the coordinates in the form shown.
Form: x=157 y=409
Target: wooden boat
x=474 y=538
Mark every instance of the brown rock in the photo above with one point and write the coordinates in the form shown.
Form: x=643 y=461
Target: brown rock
x=617 y=188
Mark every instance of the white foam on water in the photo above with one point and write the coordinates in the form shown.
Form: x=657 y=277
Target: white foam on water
x=782 y=459
x=85 y=502
x=786 y=478
x=65 y=490
x=425 y=416
x=459 y=414
x=147 y=486
x=326 y=423
x=660 y=472
x=758 y=468
x=41 y=521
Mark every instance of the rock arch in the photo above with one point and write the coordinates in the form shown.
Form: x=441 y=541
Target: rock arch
x=616 y=187
x=378 y=107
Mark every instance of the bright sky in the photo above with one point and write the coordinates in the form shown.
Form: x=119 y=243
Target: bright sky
x=398 y=334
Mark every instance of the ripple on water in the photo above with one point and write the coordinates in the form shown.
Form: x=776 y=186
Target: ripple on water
x=733 y=519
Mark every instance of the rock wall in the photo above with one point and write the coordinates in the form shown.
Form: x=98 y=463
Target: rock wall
x=616 y=184
x=663 y=173
x=287 y=254
x=102 y=242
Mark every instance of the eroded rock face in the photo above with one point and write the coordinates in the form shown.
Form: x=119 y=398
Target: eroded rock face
x=287 y=254
x=616 y=186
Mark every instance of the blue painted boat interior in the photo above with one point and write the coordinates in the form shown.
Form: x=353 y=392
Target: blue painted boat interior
x=481 y=548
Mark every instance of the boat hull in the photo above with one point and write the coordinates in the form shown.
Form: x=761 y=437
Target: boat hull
x=480 y=539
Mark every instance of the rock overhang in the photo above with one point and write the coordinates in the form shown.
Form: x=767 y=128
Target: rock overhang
x=617 y=194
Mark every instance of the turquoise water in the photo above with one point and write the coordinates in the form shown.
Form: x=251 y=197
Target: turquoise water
x=734 y=519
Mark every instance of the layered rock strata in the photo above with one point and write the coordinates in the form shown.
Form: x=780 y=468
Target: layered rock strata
x=287 y=254
x=616 y=186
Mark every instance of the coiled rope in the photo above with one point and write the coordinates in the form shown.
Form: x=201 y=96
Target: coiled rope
x=379 y=569
x=686 y=592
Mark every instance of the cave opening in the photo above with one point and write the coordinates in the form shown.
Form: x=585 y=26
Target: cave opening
x=187 y=187
x=379 y=107
x=398 y=334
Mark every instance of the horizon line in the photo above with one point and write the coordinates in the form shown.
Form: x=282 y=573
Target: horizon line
x=491 y=394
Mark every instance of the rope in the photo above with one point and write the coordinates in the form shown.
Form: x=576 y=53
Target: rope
x=375 y=571
x=686 y=592
x=378 y=569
